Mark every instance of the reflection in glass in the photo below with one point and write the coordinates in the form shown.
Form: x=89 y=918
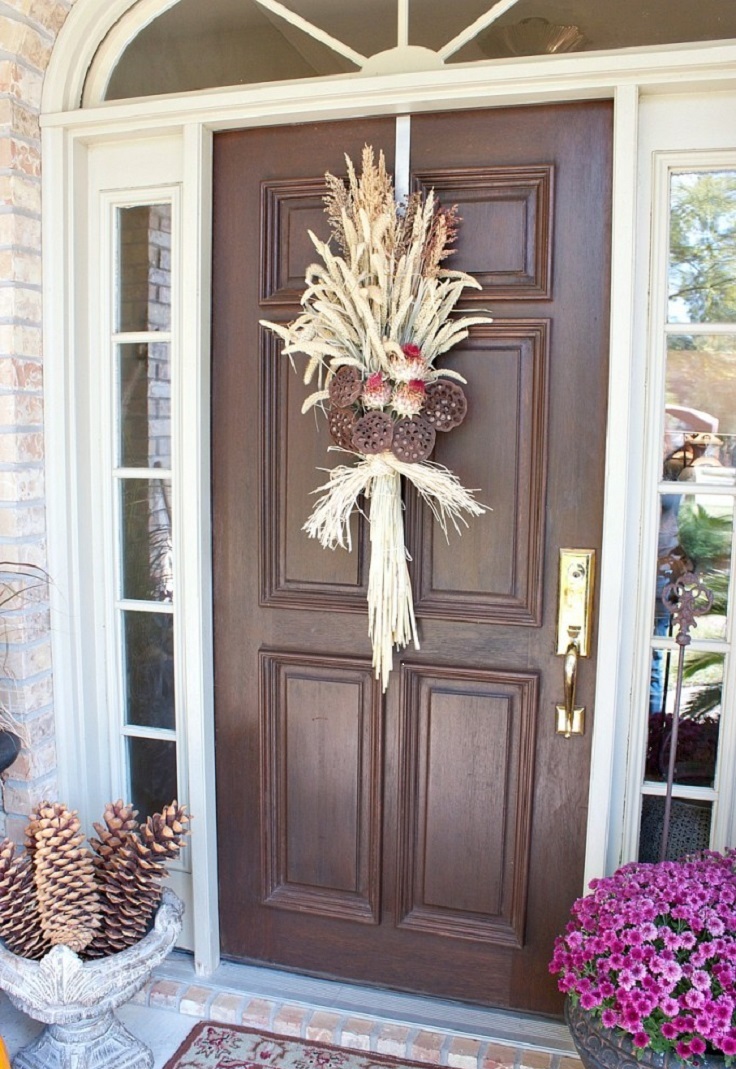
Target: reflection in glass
x=695 y=535
x=700 y=409
x=689 y=828
x=700 y=713
x=144 y=268
x=702 y=270
x=145 y=405
x=149 y=669
x=153 y=783
x=624 y=24
x=147 y=567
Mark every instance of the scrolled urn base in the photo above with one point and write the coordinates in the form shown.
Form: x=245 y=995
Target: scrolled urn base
x=97 y=1044
x=76 y=999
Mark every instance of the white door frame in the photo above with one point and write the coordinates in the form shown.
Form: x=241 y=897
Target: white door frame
x=68 y=137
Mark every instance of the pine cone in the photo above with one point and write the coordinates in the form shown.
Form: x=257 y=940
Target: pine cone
x=63 y=872
x=129 y=876
x=120 y=824
x=20 y=924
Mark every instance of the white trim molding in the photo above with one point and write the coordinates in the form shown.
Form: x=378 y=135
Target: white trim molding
x=129 y=134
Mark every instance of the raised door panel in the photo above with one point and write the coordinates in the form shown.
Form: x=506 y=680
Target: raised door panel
x=506 y=217
x=289 y=210
x=321 y=746
x=296 y=570
x=493 y=570
x=467 y=774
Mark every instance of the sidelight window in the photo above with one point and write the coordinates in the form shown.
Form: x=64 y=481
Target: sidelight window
x=695 y=502
x=142 y=488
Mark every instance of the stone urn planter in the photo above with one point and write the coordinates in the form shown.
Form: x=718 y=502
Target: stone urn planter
x=76 y=999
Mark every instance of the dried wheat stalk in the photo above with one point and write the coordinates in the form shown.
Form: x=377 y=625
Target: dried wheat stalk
x=384 y=306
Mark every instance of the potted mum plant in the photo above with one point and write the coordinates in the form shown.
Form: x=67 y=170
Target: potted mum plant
x=648 y=964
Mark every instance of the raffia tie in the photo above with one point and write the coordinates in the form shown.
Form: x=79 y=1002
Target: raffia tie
x=391 y=620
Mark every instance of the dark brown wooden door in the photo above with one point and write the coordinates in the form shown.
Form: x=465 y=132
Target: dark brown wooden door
x=432 y=839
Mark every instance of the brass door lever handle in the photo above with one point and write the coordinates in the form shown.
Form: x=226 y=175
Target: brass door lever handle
x=574 y=622
x=570 y=719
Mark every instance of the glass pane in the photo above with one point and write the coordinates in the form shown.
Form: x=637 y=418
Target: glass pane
x=700 y=713
x=702 y=274
x=149 y=669
x=152 y=764
x=433 y=23
x=144 y=267
x=695 y=535
x=350 y=21
x=689 y=828
x=700 y=409
x=145 y=405
x=195 y=45
x=623 y=24
x=147 y=568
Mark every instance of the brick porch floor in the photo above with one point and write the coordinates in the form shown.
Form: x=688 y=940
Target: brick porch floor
x=404 y=1026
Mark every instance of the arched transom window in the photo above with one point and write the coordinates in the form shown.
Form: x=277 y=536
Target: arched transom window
x=162 y=46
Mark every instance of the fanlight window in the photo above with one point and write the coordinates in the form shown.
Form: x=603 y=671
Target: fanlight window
x=190 y=45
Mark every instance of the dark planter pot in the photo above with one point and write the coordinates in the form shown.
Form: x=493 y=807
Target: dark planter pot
x=604 y=1048
x=9 y=749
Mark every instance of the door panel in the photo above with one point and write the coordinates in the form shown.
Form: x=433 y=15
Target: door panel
x=322 y=776
x=430 y=839
x=493 y=573
x=467 y=737
x=514 y=204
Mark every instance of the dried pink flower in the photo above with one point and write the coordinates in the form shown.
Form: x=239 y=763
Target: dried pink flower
x=376 y=391
x=408 y=398
x=410 y=365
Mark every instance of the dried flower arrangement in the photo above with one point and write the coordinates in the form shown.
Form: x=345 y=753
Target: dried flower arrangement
x=375 y=320
x=96 y=901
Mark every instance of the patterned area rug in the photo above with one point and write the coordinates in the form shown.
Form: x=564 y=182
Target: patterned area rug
x=222 y=1046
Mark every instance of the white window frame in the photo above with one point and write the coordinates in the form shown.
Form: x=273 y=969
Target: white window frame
x=70 y=141
x=676 y=134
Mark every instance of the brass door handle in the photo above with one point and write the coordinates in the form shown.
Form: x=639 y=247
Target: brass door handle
x=570 y=673
x=574 y=621
x=569 y=717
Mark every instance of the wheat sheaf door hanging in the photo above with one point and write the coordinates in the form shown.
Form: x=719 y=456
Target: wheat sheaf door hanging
x=376 y=317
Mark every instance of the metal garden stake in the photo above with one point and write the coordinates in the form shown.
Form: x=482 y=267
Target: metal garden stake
x=685 y=598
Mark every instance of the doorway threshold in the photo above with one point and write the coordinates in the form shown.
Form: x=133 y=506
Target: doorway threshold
x=405 y=1026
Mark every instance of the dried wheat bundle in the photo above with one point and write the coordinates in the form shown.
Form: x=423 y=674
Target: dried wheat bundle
x=376 y=317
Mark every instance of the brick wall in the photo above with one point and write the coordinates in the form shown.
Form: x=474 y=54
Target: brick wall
x=28 y=29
